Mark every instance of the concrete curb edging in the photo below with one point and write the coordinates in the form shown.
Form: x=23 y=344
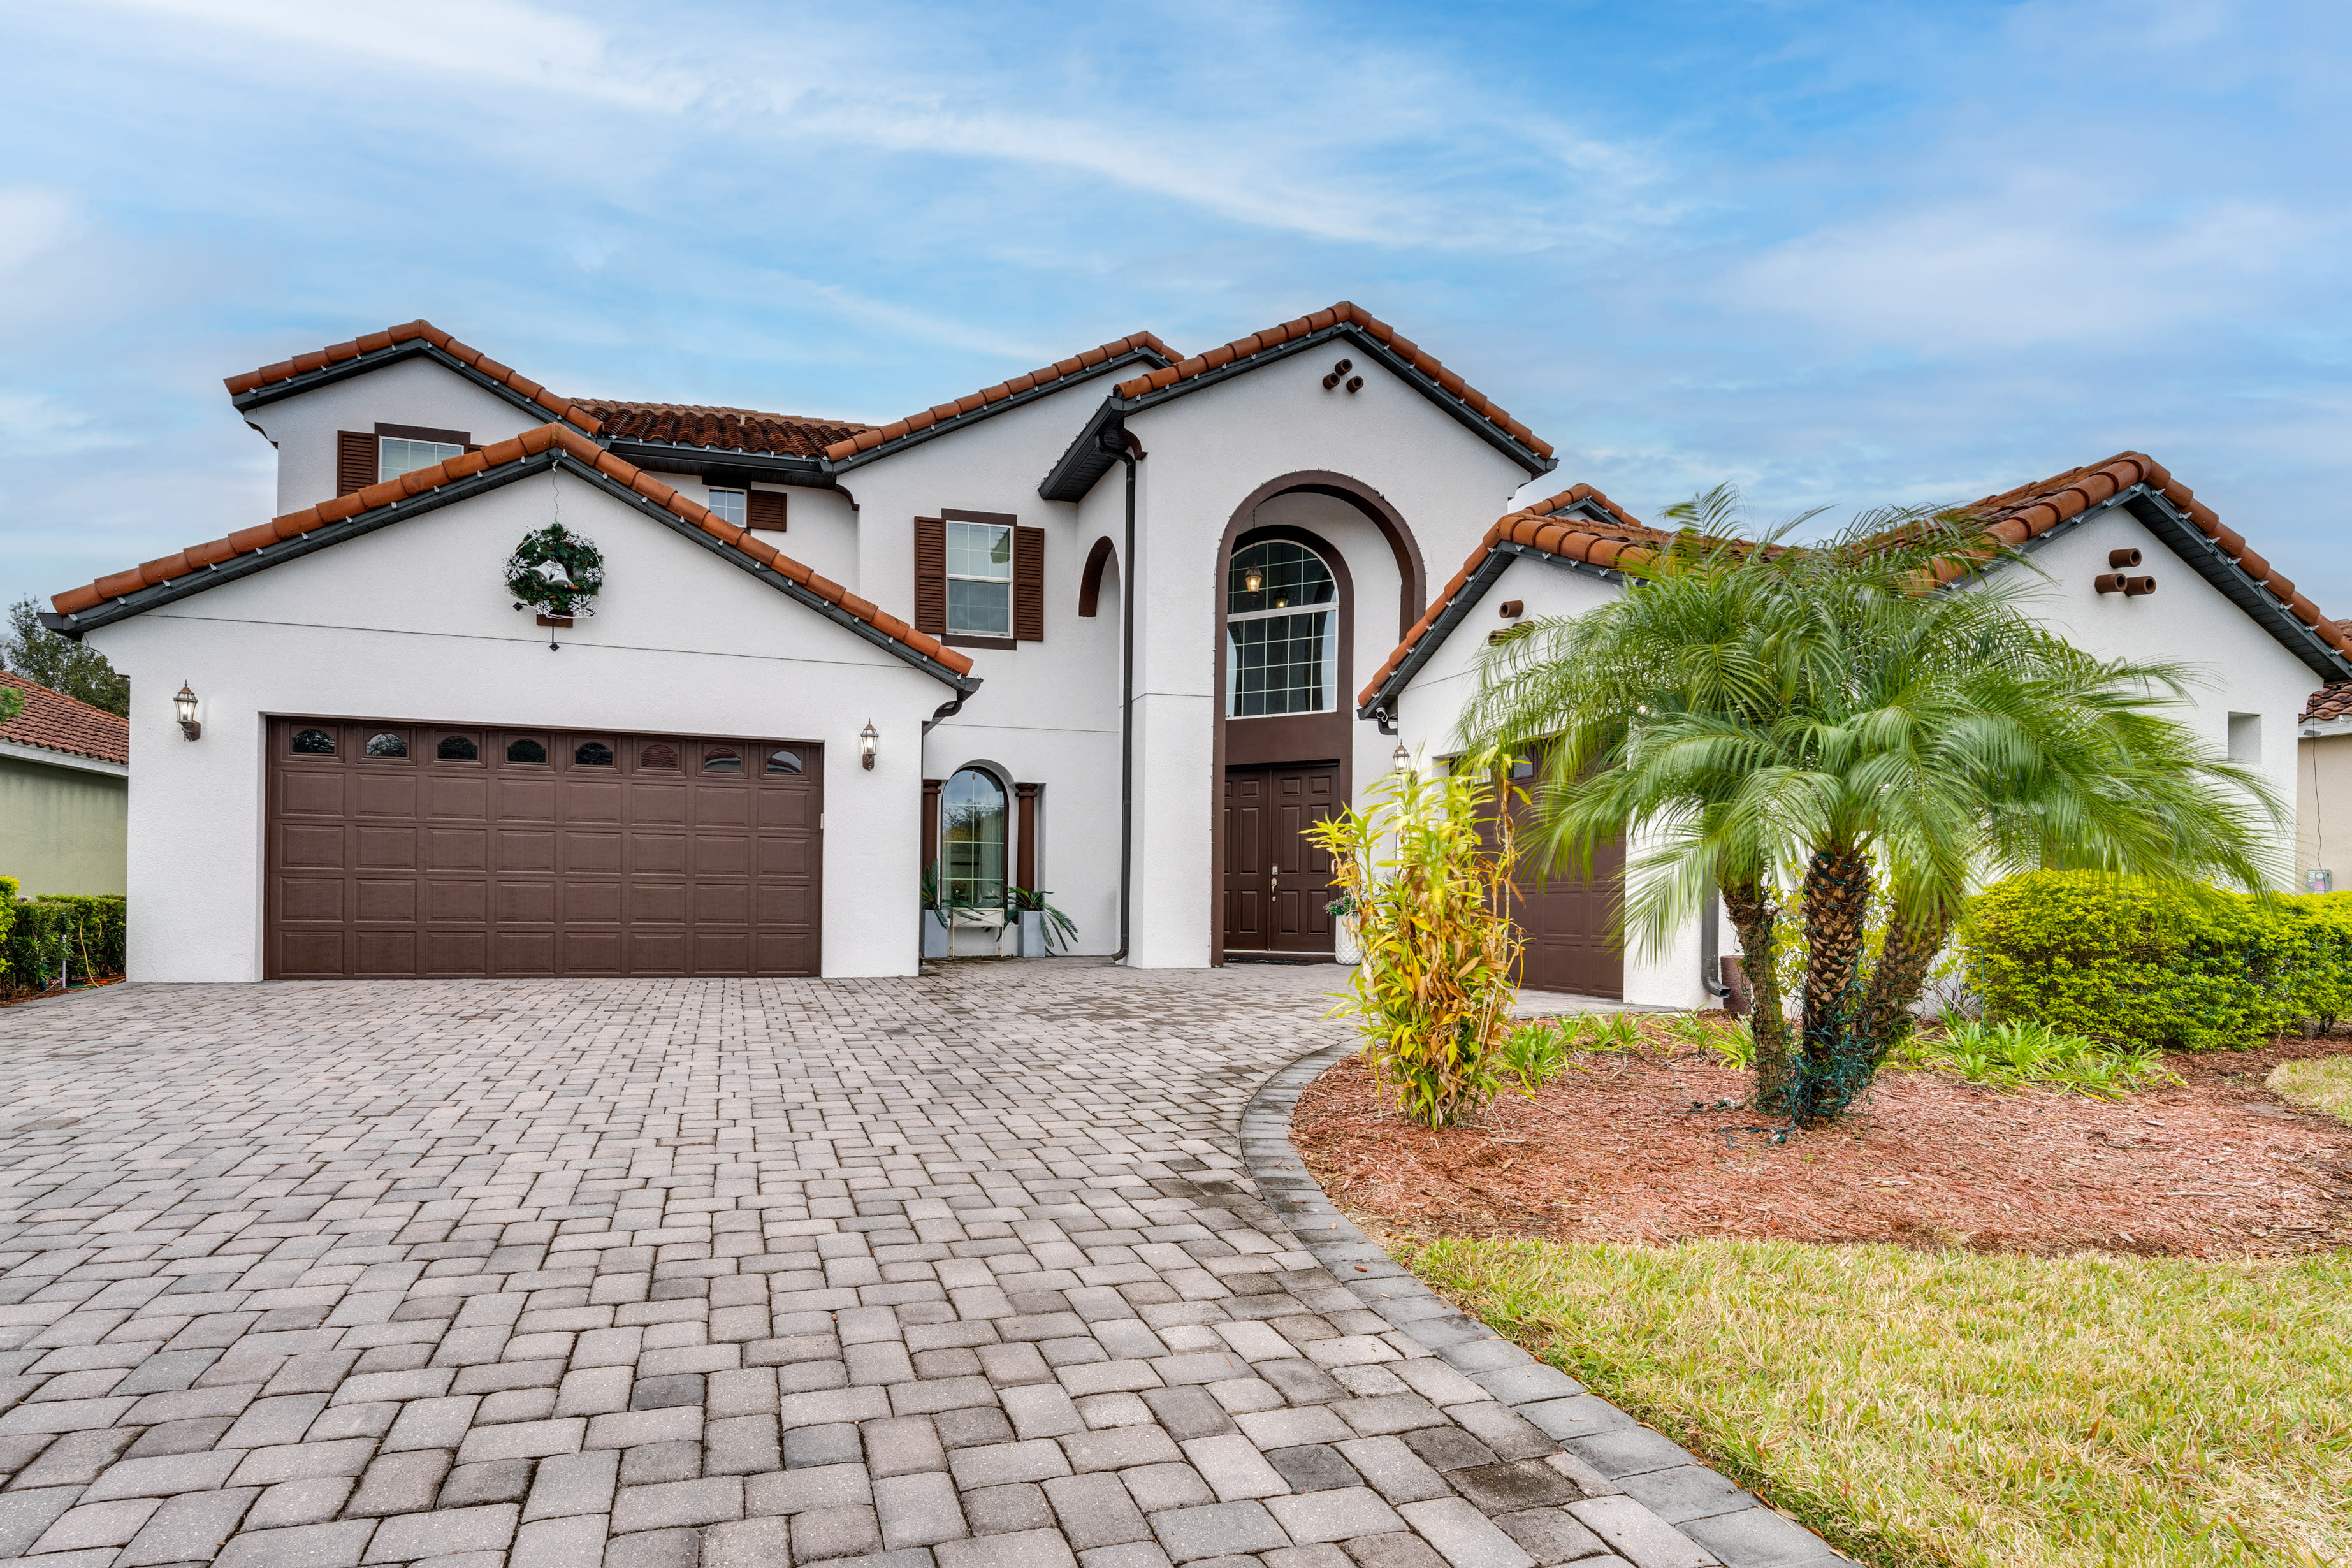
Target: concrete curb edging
x=1675 y=1513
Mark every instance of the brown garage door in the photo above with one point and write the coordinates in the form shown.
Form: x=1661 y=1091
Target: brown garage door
x=402 y=849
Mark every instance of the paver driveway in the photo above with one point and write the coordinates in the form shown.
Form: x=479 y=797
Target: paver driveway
x=963 y=1270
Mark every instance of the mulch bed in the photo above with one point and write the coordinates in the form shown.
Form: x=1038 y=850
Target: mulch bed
x=1613 y=1150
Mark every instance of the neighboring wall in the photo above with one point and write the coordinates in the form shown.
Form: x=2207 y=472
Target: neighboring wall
x=62 y=829
x=2323 y=804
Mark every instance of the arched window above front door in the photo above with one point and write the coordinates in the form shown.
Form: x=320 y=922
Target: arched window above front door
x=971 y=828
x=1282 y=645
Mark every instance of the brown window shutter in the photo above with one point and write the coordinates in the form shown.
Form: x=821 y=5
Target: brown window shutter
x=931 y=576
x=1024 y=836
x=765 y=509
x=356 y=462
x=1029 y=584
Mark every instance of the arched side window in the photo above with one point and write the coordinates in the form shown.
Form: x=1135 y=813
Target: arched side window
x=973 y=831
x=1282 y=645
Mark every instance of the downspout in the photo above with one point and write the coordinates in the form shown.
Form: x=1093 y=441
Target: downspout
x=1710 y=950
x=1128 y=451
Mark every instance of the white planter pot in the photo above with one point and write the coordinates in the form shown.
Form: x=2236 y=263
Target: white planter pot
x=1345 y=946
x=935 y=934
x=1032 y=933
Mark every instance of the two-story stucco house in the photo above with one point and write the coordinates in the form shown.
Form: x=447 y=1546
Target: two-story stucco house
x=1090 y=631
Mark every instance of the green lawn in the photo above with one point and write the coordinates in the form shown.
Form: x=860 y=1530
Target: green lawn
x=1956 y=1409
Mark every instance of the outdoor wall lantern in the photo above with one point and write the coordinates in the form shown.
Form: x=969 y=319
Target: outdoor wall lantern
x=186 y=701
x=1402 y=758
x=866 y=738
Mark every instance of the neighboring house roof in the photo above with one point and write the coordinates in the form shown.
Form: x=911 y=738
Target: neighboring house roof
x=1602 y=533
x=1578 y=527
x=936 y=420
x=304 y=372
x=725 y=429
x=2333 y=701
x=173 y=577
x=56 y=722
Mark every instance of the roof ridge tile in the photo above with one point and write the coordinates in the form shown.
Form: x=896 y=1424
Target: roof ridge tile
x=870 y=438
x=1315 y=322
x=409 y=332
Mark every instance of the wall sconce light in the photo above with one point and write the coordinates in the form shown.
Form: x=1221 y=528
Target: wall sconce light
x=866 y=742
x=1400 y=757
x=185 y=703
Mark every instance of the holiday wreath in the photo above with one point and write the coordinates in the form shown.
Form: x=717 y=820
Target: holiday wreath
x=556 y=570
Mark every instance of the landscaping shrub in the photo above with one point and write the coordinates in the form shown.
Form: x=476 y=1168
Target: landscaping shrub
x=2012 y=1055
x=2157 y=966
x=86 y=932
x=1432 y=896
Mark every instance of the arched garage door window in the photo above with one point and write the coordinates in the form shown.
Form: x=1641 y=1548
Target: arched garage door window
x=971 y=809
x=1282 y=653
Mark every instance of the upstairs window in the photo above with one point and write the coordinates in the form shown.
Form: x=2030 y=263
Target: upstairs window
x=1281 y=647
x=979 y=580
x=729 y=506
x=398 y=454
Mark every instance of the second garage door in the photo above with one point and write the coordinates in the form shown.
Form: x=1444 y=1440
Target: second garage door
x=404 y=850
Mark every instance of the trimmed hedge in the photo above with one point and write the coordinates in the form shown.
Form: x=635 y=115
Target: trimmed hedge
x=85 y=931
x=2158 y=967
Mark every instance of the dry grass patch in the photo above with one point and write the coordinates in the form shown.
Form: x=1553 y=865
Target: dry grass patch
x=2323 y=1084
x=1958 y=1409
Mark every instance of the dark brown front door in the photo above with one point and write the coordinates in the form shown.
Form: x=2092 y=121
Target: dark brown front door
x=1276 y=884
x=428 y=850
x=1565 y=919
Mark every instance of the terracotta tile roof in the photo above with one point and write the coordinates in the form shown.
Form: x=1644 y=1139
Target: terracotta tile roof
x=1379 y=331
x=2333 y=701
x=1600 y=541
x=865 y=440
x=56 y=722
x=2030 y=510
x=532 y=442
x=2013 y=517
x=409 y=332
x=699 y=425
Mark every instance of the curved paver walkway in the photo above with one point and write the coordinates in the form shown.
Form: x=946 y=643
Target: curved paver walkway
x=957 y=1272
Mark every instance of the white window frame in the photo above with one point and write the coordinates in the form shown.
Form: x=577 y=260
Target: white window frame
x=735 y=507
x=383 y=469
x=1003 y=530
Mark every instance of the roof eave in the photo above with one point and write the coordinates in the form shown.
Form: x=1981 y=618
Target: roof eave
x=2150 y=508
x=722 y=463
x=57 y=757
x=174 y=590
x=1090 y=455
x=1396 y=363
x=1382 y=703
x=1021 y=399
x=412 y=348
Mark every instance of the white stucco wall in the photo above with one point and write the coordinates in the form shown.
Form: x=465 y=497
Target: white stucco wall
x=2240 y=667
x=413 y=622
x=415 y=392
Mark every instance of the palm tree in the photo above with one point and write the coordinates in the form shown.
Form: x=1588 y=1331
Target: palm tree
x=1870 y=717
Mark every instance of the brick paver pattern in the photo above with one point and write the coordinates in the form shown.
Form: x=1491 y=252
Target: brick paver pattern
x=960 y=1271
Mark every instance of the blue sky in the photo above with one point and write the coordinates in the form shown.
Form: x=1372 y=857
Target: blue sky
x=1842 y=254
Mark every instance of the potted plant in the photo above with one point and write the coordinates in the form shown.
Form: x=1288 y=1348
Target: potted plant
x=1346 y=947
x=1044 y=930
x=939 y=915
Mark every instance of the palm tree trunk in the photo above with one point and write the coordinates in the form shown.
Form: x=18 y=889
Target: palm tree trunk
x=1895 y=982
x=1754 y=917
x=1837 y=898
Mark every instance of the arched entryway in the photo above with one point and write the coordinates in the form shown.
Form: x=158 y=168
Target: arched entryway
x=1285 y=731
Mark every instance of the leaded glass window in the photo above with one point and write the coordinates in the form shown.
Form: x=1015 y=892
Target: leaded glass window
x=1281 y=639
